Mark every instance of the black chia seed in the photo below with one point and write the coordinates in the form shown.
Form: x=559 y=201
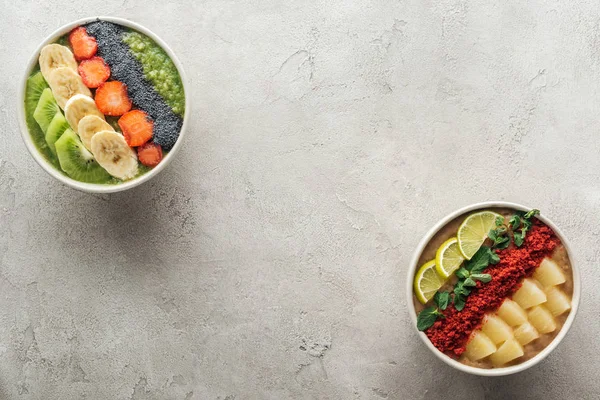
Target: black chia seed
x=125 y=68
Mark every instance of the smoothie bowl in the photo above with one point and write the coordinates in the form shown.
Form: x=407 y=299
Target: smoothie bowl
x=103 y=105
x=493 y=288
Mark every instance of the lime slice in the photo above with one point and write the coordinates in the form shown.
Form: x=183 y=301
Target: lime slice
x=427 y=282
x=474 y=230
x=448 y=258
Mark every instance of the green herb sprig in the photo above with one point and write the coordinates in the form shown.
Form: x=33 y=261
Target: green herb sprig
x=520 y=223
x=429 y=315
x=471 y=272
x=499 y=235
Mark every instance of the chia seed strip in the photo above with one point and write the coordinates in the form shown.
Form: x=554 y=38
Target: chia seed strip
x=125 y=68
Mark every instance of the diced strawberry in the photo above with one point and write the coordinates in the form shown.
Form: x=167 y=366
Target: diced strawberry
x=94 y=72
x=84 y=46
x=112 y=99
x=137 y=127
x=150 y=154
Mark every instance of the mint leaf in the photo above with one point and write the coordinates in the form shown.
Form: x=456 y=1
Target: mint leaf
x=494 y=258
x=461 y=290
x=481 y=259
x=485 y=258
x=485 y=278
x=499 y=221
x=462 y=273
x=442 y=299
x=531 y=214
x=478 y=269
x=502 y=243
x=519 y=238
x=459 y=302
x=514 y=222
x=469 y=282
x=427 y=318
x=499 y=237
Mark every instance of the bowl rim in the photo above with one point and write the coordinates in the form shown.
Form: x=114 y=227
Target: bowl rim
x=505 y=370
x=45 y=164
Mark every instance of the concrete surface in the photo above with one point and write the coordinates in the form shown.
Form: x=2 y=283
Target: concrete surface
x=268 y=261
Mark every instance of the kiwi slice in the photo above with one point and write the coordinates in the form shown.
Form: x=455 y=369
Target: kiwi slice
x=77 y=161
x=55 y=129
x=45 y=110
x=33 y=91
x=35 y=86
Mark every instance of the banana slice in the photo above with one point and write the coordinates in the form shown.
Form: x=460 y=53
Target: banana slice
x=78 y=107
x=66 y=83
x=55 y=56
x=114 y=155
x=90 y=125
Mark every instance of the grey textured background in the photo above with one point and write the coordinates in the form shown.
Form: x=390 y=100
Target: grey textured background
x=268 y=261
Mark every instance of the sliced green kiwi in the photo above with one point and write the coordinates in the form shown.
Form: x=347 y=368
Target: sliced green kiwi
x=46 y=109
x=55 y=129
x=33 y=91
x=35 y=86
x=77 y=161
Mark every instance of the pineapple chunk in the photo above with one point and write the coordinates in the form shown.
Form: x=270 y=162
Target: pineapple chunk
x=496 y=329
x=526 y=333
x=479 y=346
x=510 y=350
x=512 y=313
x=529 y=294
x=542 y=319
x=549 y=273
x=557 y=302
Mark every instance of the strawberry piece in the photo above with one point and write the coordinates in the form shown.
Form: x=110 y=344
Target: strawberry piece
x=137 y=127
x=111 y=98
x=150 y=154
x=94 y=72
x=84 y=46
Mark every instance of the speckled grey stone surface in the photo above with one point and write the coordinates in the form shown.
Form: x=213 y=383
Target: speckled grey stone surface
x=268 y=260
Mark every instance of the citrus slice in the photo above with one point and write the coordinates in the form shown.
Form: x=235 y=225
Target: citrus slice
x=427 y=282
x=448 y=258
x=474 y=230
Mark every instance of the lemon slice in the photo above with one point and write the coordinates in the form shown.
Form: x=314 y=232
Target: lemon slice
x=448 y=258
x=427 y=282
x=474 y=230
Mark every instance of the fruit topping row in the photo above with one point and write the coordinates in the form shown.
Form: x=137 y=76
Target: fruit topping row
x=77 y=89
x=518 y=322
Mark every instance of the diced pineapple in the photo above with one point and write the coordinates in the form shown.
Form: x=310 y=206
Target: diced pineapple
x=541 y=319
x=549 y=273
x=512 y=313
x=479 y=346
x=496 y=329
x=526 y=333
x=510 y=350
x=529 y=294
x=557 y=302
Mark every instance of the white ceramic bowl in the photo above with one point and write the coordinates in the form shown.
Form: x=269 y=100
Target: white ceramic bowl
x=94 y=187
x=496 y=371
